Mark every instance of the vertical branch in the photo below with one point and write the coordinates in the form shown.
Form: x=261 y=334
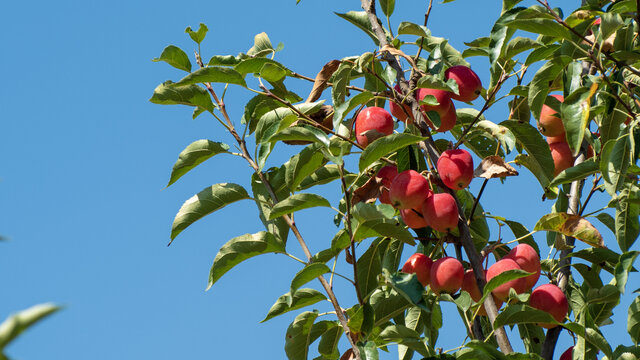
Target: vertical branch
x=432 y=152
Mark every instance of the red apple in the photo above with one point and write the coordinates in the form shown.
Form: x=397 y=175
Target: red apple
x=455 y=168
x=372 y=123
x=502 y=291
x=440 y=212
x=409 y=190
x=419 y=264
x=413 y=218
x=446 y=275
x=555 y=139
x=562 y=157
x=568 y=354
x=470 y=285
x=469 y=84
x=447 y=121
x=550 y=123
x=551 y=299
x=386 y=173
x=528 y=259
x=442 y=97
x=397 y=109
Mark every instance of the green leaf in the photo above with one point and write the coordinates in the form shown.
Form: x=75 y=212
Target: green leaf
x=263 y=200
x=261 y=46
x=403 y=335
x=225 y=60
x=500 y=35
x=409 y=28
x=541 y=26
x=297 y=202
x=608 y=221
x=273 y=72
x=193 y=155
x=287 y=302
x=633 y=321
x=387 y=6
x=341 y=78
x=522 y=314
x=328 y=345
x=361 y=20
x=519 y=231
x=610 y=127
x=279 y=119
x=500 y=279
x=307 y=274
x=408 y=286
x=369 y=266
x=539 y=159
x=433 y=82
x=302 y=165
x=301 y=133
x=623 y=268
x=383 y=227
x=539 y=86
x=175 y=57
x=298 y=336
x=344 y=108
x=387 y=305
x=614 y=163
x=199 y=35
x=498 y=132
x=213 y=74
x=591 y=336
x=325 y=175
x=518 y=45
x=15 y=324
x=578 y=172
x=369 y=351
x=575 y=116
x=255 y=65
x=545 y=52
x=610 y=23
x=240 y=249
x=571 y=225
x=384 y=146
x=627 y=222
x=210 y=199
x=192 y=95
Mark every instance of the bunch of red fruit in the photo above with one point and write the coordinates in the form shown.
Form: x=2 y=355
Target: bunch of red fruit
x=447 y=275
x=375 y=122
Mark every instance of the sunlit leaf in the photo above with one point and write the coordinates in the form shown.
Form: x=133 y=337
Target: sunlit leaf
x=192 y=95
x=198 y=35
x=297 y=202
x=361 y=20
x=308 y=273
x=193 y=155
x=175 y=57
x=384 y=146
x=571 y=225
x=578 y=172
x=15 y=324
x=301 y=298
x=261 y=46
x=213 y=74
x=298 y=336
x=633 y=321
x=627 y=220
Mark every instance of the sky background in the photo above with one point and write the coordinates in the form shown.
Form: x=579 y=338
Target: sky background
x=85 y=158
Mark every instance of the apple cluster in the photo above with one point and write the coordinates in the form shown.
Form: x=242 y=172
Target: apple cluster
x=551 y=126
x=447 y=275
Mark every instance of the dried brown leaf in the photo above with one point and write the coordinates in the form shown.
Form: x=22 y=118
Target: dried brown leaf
x=369 y=192
x=322 y=79
x=494 y=167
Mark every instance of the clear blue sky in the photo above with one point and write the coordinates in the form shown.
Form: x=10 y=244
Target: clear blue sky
x=84 y=158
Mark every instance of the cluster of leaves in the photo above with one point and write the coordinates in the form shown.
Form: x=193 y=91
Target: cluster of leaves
x=601 y=109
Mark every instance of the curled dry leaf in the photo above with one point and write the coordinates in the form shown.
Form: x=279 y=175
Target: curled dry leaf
x=494 y=167
x=368 y=192
x=395 y=52
x=322 y=80
x=348 y=355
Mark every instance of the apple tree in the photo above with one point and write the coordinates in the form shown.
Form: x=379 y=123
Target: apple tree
x=568 y=85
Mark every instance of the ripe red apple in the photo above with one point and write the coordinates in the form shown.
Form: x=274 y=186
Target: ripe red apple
x=387 y=173
x=550 y=123
x=551 y=299
x=555 y=139
x=372 y=123
x=412 y=218
x=419 y=264
x=469 y=84
x=409 y=190
x=568 y=354
x=442 y=97
x=470 y=285
x=528 y=259
x=502 y=291
x=455 y=168
x=440 y=212
x=562 y=157
x=397 y=109
x=446 y=275
x=447 y=121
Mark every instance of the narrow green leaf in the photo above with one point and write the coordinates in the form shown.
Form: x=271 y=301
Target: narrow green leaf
x=301 y=298
x=518 y=45
x=384 y=146
x=403 y=335
x=409 y=28
x=262 y=198
x=578 y=172
x=240 y=249
x=408 y=286
x=623 y=268
x=298 y=336
x=261 y=46
x=302 y=165
x=328 y=345
x=193 y=155
x=571 y=225
x=297 y=202
x=541 y=26
x=539 y=86
x=225 y=60
x=370 y=266
x=591 y=336
x=256 y=64
x=272 y=72
x=387 y=305
x=501 y=33
x=500 y=279
x=213 y=74
x=198 y=35
x=192 y=95
x=387 y=6
x=608 y=221
x=539 y=158
x=280 y=118
x=610 y=23
x=433 y=82
x=344 y=108
x=575 y=116
x=519 y=231
x=341 y=78
x=633 y=321
x=204 y=203
x=369 y=351
x=603 y=257
x=175 y=57
x=384 y=227
x=15 y=324
x=522 y=314
x=325 y=175
x=361 y=20
x=614 y=164
x=545 y=52
x=308 y=273
x=627 y=222
x=301 y=133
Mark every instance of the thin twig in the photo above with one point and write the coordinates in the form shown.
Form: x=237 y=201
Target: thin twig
x=475 y=203
x=426 y=18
